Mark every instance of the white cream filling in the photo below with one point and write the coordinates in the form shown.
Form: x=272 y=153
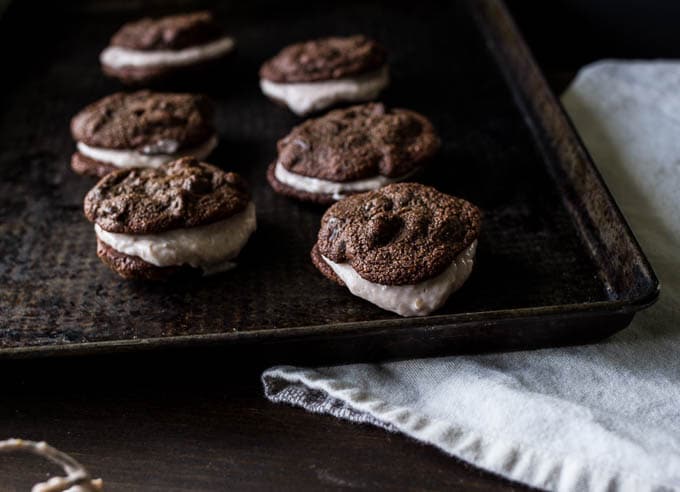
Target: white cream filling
x=118 y=57
x=335 y=188
x=210 y=247
x=410 y=300
x=305 y=97
x=150 y=156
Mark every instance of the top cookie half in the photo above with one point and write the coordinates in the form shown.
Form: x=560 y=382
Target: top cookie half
x=168 y=33
x=325 y=59
x=401 y=234
x=359 y=142
x=184 y=193
x=145 y=119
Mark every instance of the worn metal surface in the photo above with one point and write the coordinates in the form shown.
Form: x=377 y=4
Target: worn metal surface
x=556 y=263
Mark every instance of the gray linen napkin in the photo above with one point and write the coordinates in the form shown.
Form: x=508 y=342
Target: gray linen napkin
x=593 y=418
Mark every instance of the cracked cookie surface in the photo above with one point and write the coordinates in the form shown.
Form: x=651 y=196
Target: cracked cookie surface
x=183 y=193
x=173 y=32
x=359 y=142
x=324 y=59
x=401 y=234
x=151 y=122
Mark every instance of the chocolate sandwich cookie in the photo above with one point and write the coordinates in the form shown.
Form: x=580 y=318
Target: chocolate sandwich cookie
x=184 y=217
x=315 y=75
x=141 y=129
x=405 y=247
x=149 y=50
x=351 y=150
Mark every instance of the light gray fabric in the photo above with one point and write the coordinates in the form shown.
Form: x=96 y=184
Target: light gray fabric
x=593 y=418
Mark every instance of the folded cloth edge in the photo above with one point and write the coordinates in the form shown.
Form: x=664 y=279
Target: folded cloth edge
x=308 y=389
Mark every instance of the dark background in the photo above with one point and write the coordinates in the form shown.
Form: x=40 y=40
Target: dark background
x=226 y=434
x=566 y=34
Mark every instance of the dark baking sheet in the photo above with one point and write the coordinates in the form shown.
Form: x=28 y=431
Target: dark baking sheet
x=556 y=262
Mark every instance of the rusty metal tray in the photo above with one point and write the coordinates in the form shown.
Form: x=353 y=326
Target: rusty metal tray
x=556 y=264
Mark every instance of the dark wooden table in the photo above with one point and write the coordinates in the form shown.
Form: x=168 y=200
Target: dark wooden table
x=175 y=423
x=178 y=421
